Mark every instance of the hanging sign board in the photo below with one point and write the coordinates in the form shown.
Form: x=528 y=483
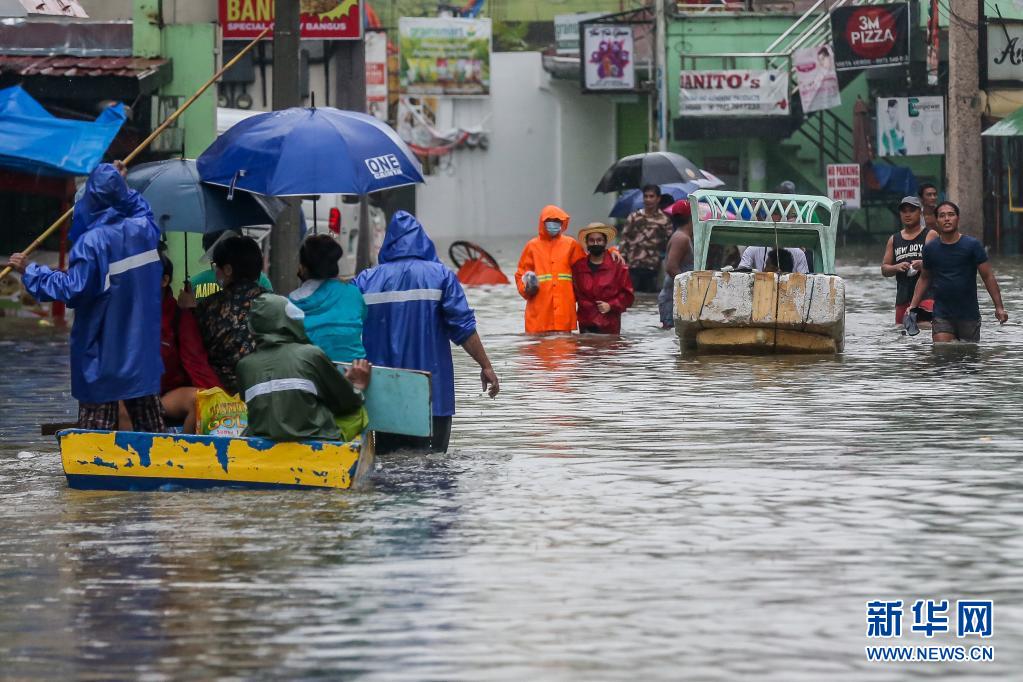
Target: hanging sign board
x=734 y=93
x=867 y=36
x=444 y=56
x=1005 y=52
x=844 y=184
x=376 y=74
x=608 y=58
x=910 y=126
x=320 y=20
x=815 y=74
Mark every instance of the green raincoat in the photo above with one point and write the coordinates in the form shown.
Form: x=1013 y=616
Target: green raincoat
x=292 y=389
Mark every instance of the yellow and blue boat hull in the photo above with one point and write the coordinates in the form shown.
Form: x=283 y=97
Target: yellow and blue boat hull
x=126 y=460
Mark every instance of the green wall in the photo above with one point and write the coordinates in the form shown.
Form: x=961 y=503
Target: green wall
x=191 y=48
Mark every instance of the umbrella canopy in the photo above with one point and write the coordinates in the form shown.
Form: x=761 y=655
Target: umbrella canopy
x=303 y=151
x=658 y=168
x=1010 y=126
x=181 y=203
x=632 y=200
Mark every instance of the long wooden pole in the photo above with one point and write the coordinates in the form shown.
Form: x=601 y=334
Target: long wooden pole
x=146 y=142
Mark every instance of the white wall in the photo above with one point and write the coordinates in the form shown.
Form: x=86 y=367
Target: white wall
x=548 y=144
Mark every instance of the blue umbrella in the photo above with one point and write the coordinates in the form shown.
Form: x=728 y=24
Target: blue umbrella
x=632 y=200
x=305 y=151
x=181 y=203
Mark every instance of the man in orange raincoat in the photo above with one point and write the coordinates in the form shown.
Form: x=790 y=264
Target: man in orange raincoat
x=544 y=275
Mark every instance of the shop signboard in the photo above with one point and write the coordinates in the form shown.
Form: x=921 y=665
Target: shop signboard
x=320 y=20
x=816 y=77
x=844 y=184
x=1005 y=53
x=566 y=32
x=609 y=61
x=868 y=36
x=444 y=56
x=734 y=93
x=376 y=74
x=910 y=126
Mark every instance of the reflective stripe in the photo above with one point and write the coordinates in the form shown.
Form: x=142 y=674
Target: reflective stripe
x=402 y=296
x=562 y=275
x=544 y=278
x=119 y=267
x=275 y=385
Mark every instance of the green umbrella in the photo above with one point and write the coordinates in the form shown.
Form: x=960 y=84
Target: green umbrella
x=1010 y=126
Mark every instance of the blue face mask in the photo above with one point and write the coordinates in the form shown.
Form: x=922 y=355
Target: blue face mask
x=553 y=227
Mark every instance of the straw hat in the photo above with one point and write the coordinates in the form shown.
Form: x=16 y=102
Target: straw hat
x=609 y=232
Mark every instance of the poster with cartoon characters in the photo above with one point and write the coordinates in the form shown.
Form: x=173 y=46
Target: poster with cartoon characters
x=608 y=58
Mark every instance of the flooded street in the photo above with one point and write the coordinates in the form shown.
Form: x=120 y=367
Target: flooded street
x=618 y=512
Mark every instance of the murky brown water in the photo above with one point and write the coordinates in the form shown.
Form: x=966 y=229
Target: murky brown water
x=618 y=512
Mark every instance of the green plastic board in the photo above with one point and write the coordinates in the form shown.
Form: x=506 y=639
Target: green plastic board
x=399 y=401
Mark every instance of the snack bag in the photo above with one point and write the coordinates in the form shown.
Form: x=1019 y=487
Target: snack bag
x=220 y=414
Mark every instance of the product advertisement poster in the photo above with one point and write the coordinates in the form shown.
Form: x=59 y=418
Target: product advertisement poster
x=445 y=56
x=816 y=77
x=734 y=93
x=610 y=57
x=869 y=36
x=910 y=126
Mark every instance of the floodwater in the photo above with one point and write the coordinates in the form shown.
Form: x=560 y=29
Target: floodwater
x=618 y=512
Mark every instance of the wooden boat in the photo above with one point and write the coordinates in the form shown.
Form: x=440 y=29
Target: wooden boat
x=762 y=312
x=397 y=401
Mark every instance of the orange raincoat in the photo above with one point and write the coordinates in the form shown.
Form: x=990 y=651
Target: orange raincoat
x=552 y=309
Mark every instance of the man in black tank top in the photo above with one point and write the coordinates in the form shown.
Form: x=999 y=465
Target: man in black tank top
x=903 y=258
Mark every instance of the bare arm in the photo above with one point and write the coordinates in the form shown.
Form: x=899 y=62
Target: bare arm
x=987 y=275
x=474 y=347
x=922 y=285
x=888 y=266
x=679 y=246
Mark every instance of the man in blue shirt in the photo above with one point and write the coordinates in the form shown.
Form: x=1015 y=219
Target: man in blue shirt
x=950 y=265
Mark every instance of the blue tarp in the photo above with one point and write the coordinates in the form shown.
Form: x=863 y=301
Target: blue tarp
x=34 y=141
x=894 y=179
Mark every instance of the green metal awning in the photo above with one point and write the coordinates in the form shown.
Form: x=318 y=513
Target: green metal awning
x=1010 y=126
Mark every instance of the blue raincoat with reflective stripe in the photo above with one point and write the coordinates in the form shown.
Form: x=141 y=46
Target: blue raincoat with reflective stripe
x=113 y=284
x=416 y=309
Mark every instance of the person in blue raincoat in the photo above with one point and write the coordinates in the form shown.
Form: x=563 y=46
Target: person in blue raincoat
x=416 y=309
x=113 y=284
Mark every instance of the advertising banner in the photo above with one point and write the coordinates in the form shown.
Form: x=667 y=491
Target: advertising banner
x=444 y=56
x=321 y=19
x=566 y=31
x=815 y=74
x=609 y=60
x=910 y=126
x=1005 y=52
x=844 y=184
x=867 y=36
x=376 y=74
x=734 y=93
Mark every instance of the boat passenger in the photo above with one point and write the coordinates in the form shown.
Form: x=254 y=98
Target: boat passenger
x=679 y=258
x=416 y=310
x=903 y=258
x=186 y=369
x=645 y=239
x=292 y=389
x=783 y=264
x=755 y=257
x=113 y=283
x=334 y=310
x=602 y=286
x=223 y=316
x=205 y=283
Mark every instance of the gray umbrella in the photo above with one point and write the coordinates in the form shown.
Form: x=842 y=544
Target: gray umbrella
x=181 y=203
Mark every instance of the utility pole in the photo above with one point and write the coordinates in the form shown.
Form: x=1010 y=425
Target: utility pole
x=351 y=95
x=661 y=45
x=285 y=235
x=964 y=171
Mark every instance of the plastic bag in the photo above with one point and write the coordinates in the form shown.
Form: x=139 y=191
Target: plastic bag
x=352 y=425
x=220 y=414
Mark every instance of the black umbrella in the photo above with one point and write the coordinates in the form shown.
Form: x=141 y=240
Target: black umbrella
x=656 y=168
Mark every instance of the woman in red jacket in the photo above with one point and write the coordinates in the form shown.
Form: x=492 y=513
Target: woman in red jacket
x=186 y=369
x=603 y=290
